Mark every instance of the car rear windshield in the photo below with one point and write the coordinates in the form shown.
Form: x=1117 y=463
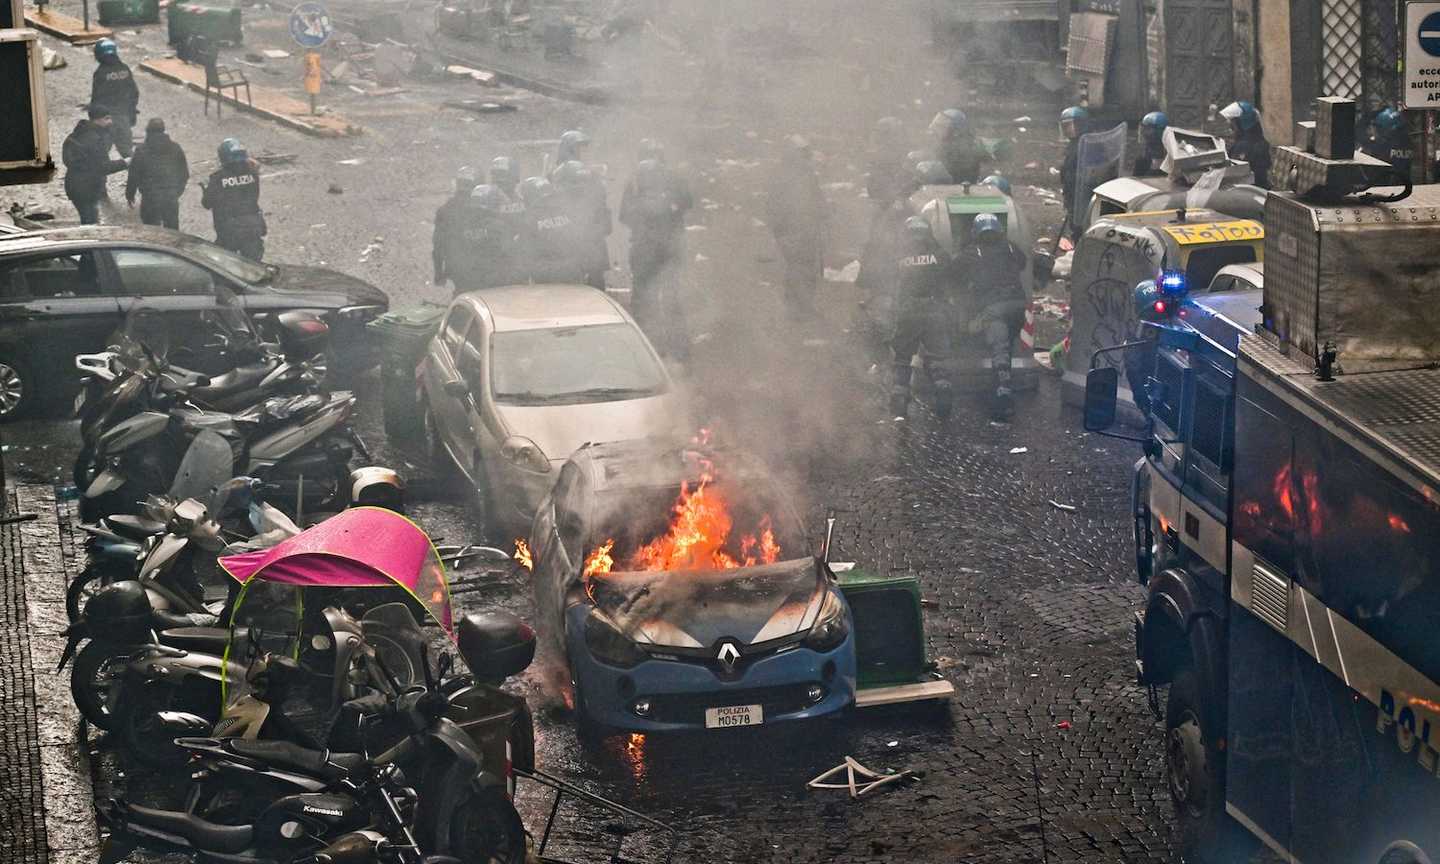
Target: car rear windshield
x=242 y=269
x=600 y=363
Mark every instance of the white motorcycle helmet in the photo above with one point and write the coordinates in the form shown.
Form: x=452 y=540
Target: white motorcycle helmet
x=375 y=486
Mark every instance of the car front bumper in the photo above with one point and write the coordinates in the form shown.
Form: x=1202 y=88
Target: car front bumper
x=679 y=692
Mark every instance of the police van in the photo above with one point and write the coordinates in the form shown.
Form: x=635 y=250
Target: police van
x=1287 y=527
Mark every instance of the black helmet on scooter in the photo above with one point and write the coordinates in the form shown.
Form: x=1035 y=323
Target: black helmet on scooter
x=376 y=486
x=122 y=610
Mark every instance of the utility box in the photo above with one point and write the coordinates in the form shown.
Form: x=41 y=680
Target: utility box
x=118 y=12
x=403 y=336
x=1358 y=276
x=1335 y=127
x=24 y=136
x=216 y=23
x=889 y=630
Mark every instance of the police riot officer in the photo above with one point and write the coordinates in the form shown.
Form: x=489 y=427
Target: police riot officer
x=925 y=290
x=571 y=148
x=583 y=195
x=232 y=195
x=1390 y=139
x=1152 y=144
x=113 y=85
x=795 y=212
x=1073 y=121
x=551 y=243
x=955 y=145
x=1000 y=184
x=485 y=254
x=653 y=208
x=86 y=154
x=158 y=173
x=995 y=303
x=448 y=219
x=504 y=175
x=1247 y=140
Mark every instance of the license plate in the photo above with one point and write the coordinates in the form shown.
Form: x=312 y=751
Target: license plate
x=732 y=716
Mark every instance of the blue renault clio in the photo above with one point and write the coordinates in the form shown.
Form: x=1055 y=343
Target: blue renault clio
x=679 y=586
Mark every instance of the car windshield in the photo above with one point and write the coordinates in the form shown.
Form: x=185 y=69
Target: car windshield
x=600 y=363
x=232 y=265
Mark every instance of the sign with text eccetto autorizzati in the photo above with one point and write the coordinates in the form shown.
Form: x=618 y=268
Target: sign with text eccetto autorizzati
x=1422 y=55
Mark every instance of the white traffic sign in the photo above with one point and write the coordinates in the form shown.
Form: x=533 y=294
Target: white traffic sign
x=1422 y=55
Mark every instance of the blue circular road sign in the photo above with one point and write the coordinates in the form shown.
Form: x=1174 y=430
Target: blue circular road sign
x=1430 y=34
x=310 y=25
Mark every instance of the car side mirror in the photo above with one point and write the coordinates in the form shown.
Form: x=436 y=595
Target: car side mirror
x=1101 y=389
x=457 y=388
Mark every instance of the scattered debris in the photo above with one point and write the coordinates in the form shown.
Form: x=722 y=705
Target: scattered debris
x=694 y=227
x=336 y=189
x=1018 y=450
x=51 y=59
x=1068 y=508
x=276 y=158
x=477 y=75
x=1063 y=724
x=868 y=781
x=356 y=161
x=1026 y=119
x=849 y=273
x=274 y=53
x=480 y=106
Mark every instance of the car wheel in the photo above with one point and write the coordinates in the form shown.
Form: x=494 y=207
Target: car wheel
x=17 y=385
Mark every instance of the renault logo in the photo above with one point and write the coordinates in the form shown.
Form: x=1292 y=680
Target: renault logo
x=728 y=655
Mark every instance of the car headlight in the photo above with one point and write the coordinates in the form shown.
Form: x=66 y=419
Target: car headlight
x=609 y=645
x=831 y=626
x=524 y=453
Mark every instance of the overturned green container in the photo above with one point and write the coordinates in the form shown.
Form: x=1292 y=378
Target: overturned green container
x=403 y=335
x=117 y=12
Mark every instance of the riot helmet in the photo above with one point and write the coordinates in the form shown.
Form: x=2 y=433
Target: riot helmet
x=232 y=152
x=949 y=123
x=107 y=51
x=987 y=228
x=999 y=183
x=503 y=172
x=1152 y=126
x=572 y=145
x=487 y=198
x=1072 y=122
x=1242 y=116
x=533 y=189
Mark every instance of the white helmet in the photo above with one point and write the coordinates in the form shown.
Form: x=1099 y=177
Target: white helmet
x=375 y=486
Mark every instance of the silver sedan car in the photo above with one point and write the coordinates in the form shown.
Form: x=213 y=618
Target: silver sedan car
x=518 y=378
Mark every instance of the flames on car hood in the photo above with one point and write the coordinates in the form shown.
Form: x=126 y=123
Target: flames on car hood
x=694 y=609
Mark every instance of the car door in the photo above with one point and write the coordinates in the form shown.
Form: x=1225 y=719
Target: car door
x=441 y=367
x=54 y=306
x=171 y=294
x=482 y=426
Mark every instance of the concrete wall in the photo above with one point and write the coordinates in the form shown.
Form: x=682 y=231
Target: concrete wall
x=1274 y=79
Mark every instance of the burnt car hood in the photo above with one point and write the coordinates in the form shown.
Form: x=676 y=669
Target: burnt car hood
x=296 y=279
x=695 y=609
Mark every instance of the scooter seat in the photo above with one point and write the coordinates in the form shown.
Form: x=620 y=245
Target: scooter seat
x=204 y=836
x=284 y=754
x=195 y=638
x=135 y=527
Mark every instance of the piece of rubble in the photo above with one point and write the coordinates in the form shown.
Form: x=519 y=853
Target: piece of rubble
x=274 y=53
x=478 y=75
x=1065 y=508
x=51 y=59
x=849 y=273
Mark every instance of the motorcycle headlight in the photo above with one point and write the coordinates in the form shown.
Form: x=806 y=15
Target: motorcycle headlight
x=831 y=626
x=524 y=453
x=609 y=645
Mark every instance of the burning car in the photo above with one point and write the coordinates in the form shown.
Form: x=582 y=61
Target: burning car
x=681 y=591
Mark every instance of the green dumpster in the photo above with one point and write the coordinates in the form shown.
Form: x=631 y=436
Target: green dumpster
x=218 y=23
x=403 y=336
x=116 y=12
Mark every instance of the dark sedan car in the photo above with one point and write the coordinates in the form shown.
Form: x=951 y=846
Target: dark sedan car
x=63 y=291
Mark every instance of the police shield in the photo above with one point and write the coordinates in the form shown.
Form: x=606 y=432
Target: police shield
x=1097 y=160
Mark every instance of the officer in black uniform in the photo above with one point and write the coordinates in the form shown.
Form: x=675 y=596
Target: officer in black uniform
x=583 y=194
x=158 y=173
x=653 y=208
x=504 y=175
x=1247 y=140
x=1390 y=139
x=232 y=195
x=485 y=257
x=551 y=242
x=448 y=220
x=571 y=148
x=86 y=154
x=1073 y=121
x=113 y=85
x=995 y=300
x=1152 y=144
x=955 y=145
x=926 y=276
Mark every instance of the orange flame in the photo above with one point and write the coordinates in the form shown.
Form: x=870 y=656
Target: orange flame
x=522 y=554
x=698 y=537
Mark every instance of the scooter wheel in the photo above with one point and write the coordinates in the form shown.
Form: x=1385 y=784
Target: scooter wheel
x=90 y=685
x=82 y=588
x=481 y=824
x=141 y=730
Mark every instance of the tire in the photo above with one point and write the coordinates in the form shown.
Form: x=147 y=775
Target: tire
x=19 y=393
x=1194 y=768
x=477 y=825
x=92 y=661
x=1403 y=852
x=150 y=745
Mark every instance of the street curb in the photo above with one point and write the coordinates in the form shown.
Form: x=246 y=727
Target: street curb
x=70 y=827
x=543 y=86
x=287 y=120
x=55 y=24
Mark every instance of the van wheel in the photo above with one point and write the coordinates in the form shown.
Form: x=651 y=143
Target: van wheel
x=1194 y=772
x=18 y=395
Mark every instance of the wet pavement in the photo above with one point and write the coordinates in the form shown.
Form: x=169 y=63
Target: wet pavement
x=1047 y=750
